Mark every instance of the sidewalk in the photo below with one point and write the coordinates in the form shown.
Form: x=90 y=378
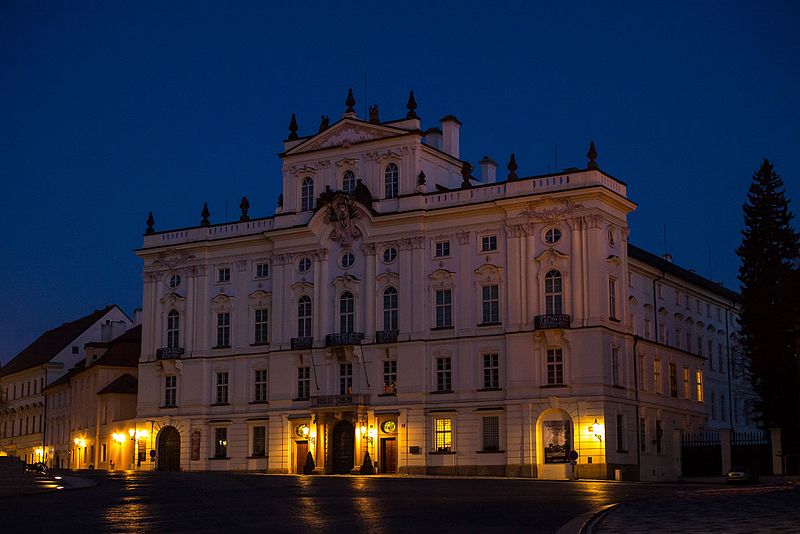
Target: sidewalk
x=774 y=508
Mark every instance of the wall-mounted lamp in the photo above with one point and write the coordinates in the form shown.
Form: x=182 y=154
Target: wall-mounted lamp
x=596 y=429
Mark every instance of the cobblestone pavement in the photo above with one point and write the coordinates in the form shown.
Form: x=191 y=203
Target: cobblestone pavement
x=723 y=509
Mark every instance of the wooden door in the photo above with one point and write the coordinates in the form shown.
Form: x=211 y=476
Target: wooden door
x=300 y=456
x=389 y=455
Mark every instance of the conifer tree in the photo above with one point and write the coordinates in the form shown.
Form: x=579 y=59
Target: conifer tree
x=770 y=255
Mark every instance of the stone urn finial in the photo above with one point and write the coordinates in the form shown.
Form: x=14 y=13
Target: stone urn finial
x=412 y=106
x=592 y=155
x=293 y=128
x=244 y=206
x=150 y=223
x=512 y=168
x=205 y=214
x=350 y=102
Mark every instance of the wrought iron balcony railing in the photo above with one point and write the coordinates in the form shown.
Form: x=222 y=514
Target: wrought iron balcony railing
x=555 y=320
x=332 y=401
x=169 y=353
x=344 y=338
x=386 y=336
x=300 y=343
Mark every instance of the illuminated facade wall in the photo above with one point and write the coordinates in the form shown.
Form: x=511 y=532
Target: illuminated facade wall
x=470 y=330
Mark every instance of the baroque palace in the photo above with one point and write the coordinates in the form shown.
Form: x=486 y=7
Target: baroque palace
x=399 y=313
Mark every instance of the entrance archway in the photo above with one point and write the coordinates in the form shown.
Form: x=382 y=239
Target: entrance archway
x=343 y=448
x=169 y=449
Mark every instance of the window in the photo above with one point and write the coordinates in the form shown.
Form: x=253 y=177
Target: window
x=642 y=373
x=660 y=291
x=612 y=298
x=260 y=393
x=552 y=236
x=713 y=405
x=222 y=387
x=304 y=264
x=444 y=308
x=348 y=182
x=443 y=374
x=442 y=249
x=389 y=255
x=174 y=281
x=662 y=333
x=390 y=179
x=677 y=297
x=491 y=371
x=491 y=304
x=261 y=326
x=620 y=432
x=673 y=381
x=347 y=260
x=648 y=329
x=307 y=195
x=699 y=384
x=74 y=349
x=390 y=376
x=443 y=432
x=170 y=390
x=220 y=443
x=491 y=433
x=720 y=358
x=697 y=306
x=643 y=434
x=304 y=316
x=347 y=314
x=615 y=366
x=686 y=301
x=710 y=349
x=677 y=339
x=262 y=270
x=173 y=329
x=259 y=441
x=303 y=382
x=553 y=293
x=345 y=378
x=686 y=383
x=555 y=367
x=657 y=383
x=223 y=275
x=488 y=243
x=390 y=308
x=224 y=329
x=708 y=309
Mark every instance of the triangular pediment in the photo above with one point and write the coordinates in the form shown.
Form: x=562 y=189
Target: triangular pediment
x=344 y=133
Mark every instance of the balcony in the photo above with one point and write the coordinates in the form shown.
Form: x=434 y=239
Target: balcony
x=546 y=322
x=345 y=338
x=335 y=401
x=169 y=353
x=386 y=336
x=301 y=343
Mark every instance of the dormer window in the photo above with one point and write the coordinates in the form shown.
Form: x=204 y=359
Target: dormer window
x=349 y=182
x=307 y=194
x=390 y=177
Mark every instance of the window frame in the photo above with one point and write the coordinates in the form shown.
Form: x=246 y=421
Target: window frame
x=349 y=181
x=391 y=189
x=303 y=382
x=443 y=434
x=444 y=374
x=490 y=370
x=223 y=275
x=307 y=194
x=222 y=386
x=490 y=437
x=489 y=243
x=444 y=309
x=221 y=443
x=223 y=330
x=347 y=312
x=554 y=366
x=262 y=440
x=553 y=292
x=390 y=308
x=441 y=248
x=260 y=385
x=170 y=391
x=305 y=316
x=173 y=329
x=490 y=305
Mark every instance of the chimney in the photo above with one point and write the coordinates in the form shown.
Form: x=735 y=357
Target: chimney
x=488 y=170
x=433 y=137
x=450 y=135
x=667 y=256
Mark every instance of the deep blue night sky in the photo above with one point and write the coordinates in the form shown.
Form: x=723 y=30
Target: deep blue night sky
x=112 y=109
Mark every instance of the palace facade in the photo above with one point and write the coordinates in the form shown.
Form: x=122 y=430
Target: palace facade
x=399 y=307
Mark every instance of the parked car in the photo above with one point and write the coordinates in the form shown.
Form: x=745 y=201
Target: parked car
x=36 y=468
x=741 y=475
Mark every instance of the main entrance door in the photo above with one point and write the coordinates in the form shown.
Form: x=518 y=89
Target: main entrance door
x=343 y=445
x=169 y=449
x=300 y=456
x=389 y=455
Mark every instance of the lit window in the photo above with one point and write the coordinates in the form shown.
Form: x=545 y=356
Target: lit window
x=347 y=260
x=220 y=443
x=223 y=329
x=222 y=387
x=345 y=378
x=303 y=382
x=304 y=316
x=699 y=385
x=444 y=308
x=553 y=293
x=347 y=315
x=442 y=249
x=555 y=367
x=262 y=270
x=491 y=304
x=390 y=177
x=261 y=326
x=552 y=236
x=173 y=329
x=170 y=390
x=491 y=433
x=657 y=383
x=259 y=441
x=491 y=371
x=260 y=384
x=389 y=255
x=307 y=195
x=390 y=308
x=685 y=382
x=223 y=275
x=488 y=243
x=348 y=182
x=443 y=374
x=443 y=431
x=174 y=281
x=304 y=265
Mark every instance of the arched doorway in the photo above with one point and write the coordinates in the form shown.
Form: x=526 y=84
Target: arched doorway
x=343 y=448
x=169 y=449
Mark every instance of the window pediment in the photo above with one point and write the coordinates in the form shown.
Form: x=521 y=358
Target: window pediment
x=173 y=300
x=221 y=302
x=552 y=258
x=442 y=278
x=489 y=273
x=387 y=277
x=260 y=298
x=346 y=282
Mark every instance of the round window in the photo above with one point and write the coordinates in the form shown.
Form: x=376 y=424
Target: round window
x=174 y=281
x=347 y=260
x=304 y=265
x=389 y=255
x=552 y=235
x=388 y=427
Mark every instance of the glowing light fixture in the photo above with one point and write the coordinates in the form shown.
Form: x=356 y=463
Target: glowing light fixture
x=596 y=429
x=131 y=432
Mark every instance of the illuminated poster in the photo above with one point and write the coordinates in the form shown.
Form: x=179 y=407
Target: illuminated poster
x=556 y=441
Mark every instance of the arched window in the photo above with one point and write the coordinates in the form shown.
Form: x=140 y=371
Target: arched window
x=307 y=194
x=347 y=314
x=390 y=309
x=553 y=293
x=390 y=176
x=349 y=182
x=304 y=316
x=173 y=329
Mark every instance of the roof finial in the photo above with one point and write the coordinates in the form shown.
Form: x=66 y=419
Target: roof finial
x=374 y=117
x=324 y=123
x=204 y=214
x=293 y=128
x=512 y=168
x=466 y=174
x=244 y=206
x=592 y=155
x=150 y=223
x=412 y=106
x=350 y=102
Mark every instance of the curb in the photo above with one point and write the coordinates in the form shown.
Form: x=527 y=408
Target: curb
x=585 y=523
